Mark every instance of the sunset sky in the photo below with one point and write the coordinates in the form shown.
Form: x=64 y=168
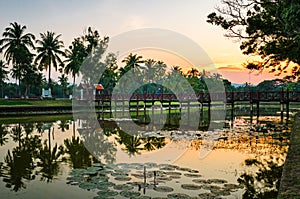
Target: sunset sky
x=113 y=17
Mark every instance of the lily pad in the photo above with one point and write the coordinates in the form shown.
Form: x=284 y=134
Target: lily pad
x=175 y=177
x=119 y=174
x=192 y=175
x=104 y=185
x=163 y=178
x=123 y=187
x=211 y=187
x=104 y=172
x=200 y=181
x=87 y=185
x=98 y=165
x=173 y=173
x=101 y=197
x=77 y=172
x=75 y=179
x=167 y=168
x=184 y=169
x=123 y=178
x=130 y=194
x=178 y=195
x=141 y=197
x=150 y=164
x=97 y=179
x=190 y=186
x=163 y=189
x=107 y=193
x=207 y=195
x=216 y=181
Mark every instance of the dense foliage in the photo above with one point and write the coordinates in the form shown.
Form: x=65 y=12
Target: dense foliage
x=268 y=29
x=25 y=57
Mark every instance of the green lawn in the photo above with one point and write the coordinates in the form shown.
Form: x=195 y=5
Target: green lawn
x=59 y=102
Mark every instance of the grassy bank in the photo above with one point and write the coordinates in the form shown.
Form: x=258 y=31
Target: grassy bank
x=290 y=181
x=57 y=102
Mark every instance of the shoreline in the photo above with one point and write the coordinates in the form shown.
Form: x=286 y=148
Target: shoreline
x=290 y=180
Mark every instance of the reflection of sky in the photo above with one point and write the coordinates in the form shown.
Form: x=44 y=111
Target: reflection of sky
x=70 y=18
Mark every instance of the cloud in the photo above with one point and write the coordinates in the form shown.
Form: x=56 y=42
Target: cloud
x=230 y=68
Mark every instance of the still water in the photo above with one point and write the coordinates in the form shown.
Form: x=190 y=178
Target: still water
x=45 y=157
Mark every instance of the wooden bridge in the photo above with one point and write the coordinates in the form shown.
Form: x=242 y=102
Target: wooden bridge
x=204 y=97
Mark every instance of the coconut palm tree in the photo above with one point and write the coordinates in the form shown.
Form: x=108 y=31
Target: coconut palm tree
x=133 y=62
x=75 y=56
x=63 y=80
x=16 y=45
x=49 y=52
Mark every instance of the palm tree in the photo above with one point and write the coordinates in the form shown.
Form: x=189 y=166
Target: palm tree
x=50 y=50
x=3 y=75
x=16 y=45
x=63 y=79
x=193 y=73
x=133 y=62
x=75 y=56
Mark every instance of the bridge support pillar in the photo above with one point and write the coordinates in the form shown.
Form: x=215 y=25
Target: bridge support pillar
x=251 y=113
x=281 y=111
x=257 y=110
x=287 y=110
x=232 y=113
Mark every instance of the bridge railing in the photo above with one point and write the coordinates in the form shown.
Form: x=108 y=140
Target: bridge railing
x=207 y=97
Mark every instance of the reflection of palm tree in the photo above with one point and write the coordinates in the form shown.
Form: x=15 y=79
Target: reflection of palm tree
x=20 y=162
x=17 y=134
x=152 y=143
x=132 y=145
x=159 y=142
x=3 y=133
x=78 y=154
x=148 y=145
x=63 y=125
x=28 y=128
x=48 y=161
x=265 y=182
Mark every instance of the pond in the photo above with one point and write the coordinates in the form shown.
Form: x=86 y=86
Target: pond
x=52 y=157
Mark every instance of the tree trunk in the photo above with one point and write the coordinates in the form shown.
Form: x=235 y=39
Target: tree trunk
x=26 y=91
x=74 y=79
x=49 y=75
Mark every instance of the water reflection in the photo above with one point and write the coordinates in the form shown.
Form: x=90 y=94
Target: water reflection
x=264 y=181
x=38 y=151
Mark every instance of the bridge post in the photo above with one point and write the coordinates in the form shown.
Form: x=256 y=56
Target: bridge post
x=287 y=105
x=281 y=104
x=281 y=110
x=188 y=109
x=110 y=113
x=251 y=112
x=102 y=110
x=257 y=110
x=123 y=106
x=232 y=108
x=145 y=107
